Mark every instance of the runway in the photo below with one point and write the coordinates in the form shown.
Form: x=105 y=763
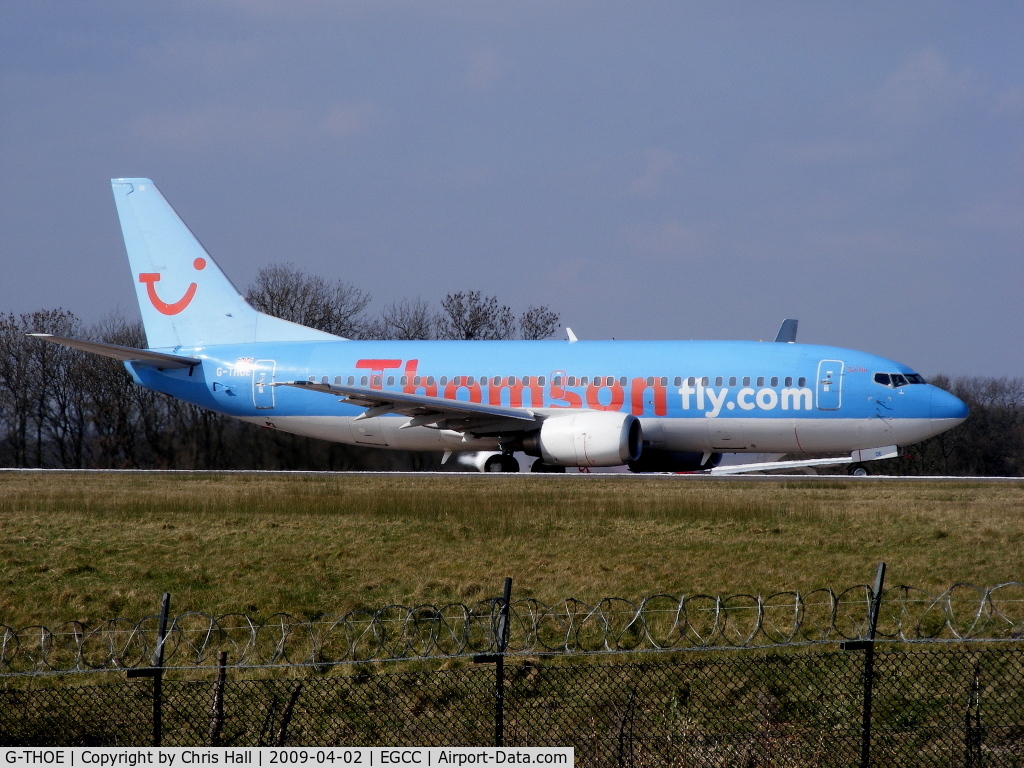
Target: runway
x=683 y=476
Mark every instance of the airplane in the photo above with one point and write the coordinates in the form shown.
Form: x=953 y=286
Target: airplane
x=654 y=406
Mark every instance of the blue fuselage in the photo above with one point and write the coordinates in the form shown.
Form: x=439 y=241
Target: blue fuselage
x=690 y=396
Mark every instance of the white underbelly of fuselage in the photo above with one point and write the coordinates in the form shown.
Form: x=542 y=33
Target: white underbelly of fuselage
x=804 y=435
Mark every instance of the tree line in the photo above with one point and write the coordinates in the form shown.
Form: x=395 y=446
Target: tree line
x=62 y=408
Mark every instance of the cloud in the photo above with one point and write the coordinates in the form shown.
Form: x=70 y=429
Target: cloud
x=213 y=126
x=833 y=150
x=668 y=240
x=922 y=87
x=344 y=120
x=486 y=66
x=660 y=163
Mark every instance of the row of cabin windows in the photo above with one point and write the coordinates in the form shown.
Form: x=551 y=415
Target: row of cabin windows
x=583 y=381
x=527 y=381
x=898 y=379
x=758 y=381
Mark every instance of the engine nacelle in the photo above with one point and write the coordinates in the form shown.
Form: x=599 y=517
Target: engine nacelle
x=587 y=439
x=673 y=461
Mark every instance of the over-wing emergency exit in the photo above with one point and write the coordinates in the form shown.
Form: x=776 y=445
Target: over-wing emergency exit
x=651 y=405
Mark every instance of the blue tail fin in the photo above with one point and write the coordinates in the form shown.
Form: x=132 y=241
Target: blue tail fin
x=185 y=299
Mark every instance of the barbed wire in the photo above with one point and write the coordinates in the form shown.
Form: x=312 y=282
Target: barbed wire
x=659 y=623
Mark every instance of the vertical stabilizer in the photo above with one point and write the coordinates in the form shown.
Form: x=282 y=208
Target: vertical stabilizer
x=185 y=299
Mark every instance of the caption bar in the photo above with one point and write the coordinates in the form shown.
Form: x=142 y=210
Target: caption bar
x=364 y=757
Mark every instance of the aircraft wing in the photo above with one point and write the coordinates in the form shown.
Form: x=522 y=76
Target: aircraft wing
x=128 y=354
x=423 y=410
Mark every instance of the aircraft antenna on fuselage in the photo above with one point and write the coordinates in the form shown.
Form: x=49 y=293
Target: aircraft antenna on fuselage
x=787 y=333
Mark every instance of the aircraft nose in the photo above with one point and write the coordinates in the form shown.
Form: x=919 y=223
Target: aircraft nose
x=945 y=406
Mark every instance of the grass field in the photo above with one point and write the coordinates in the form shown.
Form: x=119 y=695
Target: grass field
x=90 y=546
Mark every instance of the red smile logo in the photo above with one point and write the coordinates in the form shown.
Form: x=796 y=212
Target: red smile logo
x=152 y=278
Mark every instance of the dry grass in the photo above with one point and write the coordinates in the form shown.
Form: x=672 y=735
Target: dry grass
x=91 y=546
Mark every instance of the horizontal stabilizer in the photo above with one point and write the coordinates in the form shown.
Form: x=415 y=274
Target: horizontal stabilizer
x=787 y=333
x=128 y=354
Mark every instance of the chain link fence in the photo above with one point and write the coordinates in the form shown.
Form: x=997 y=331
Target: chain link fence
x=959 y=706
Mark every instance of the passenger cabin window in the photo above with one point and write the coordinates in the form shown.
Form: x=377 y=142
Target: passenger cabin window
x=337 y=379
x=775 y=381
x=391 y=381
x=540 y=381
x=572 y=381
x=405 y=380
x=622 y=381
x=746 y=381
x=678 y=382
x=351 y=380
x=363 y=381
x=801 y=382
x=760 y=381
x=732 y=381
x=323 y=379
x=718 y=381
x=705 y=381
x=789 y=381
x=692 y=381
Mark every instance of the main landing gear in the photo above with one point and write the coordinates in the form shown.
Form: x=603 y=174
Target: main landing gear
x=501 y=462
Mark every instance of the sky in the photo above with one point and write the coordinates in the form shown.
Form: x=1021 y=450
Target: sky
x=649 y=170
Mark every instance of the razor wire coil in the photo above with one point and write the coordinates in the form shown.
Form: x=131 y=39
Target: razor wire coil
x=657 y=623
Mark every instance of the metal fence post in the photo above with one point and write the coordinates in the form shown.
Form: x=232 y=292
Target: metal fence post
x=498 y=659
x=158 y=666
x=973 y=758
x=156 y=670
x=868 y=646
x=499 y=667
x=217 y=708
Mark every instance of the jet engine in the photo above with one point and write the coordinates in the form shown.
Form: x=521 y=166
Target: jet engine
x=673 y=461
x=587 y=439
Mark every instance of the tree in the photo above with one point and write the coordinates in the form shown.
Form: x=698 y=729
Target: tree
x=473 y=316
x=284 y=291
x=537 y=323
x=405 y=320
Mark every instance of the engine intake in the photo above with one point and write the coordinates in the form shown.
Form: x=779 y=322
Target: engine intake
x=587 y=439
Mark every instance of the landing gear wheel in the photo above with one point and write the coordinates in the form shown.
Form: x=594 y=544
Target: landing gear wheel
x=859 y=470
x=540 y=466
x=501 y=463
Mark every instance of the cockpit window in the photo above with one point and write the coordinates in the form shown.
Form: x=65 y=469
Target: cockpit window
x=898 y=379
